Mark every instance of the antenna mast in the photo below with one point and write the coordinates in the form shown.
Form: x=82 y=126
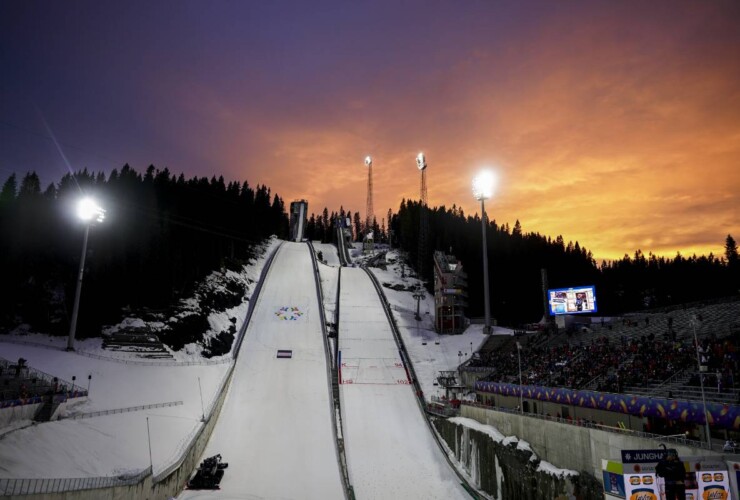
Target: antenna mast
x=421 y=164
x=369 y=208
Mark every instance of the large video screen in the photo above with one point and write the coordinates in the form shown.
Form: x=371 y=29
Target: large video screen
x=576 y=300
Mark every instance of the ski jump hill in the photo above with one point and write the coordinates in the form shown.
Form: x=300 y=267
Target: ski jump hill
x=278 y=427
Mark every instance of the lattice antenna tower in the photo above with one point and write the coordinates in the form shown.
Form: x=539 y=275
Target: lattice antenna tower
x=421 y=164
x=369 y=208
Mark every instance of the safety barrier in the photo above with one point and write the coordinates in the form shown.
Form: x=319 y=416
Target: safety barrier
x=122 y=410
x=61 y=485
x=417 y=387
x=334 y=397
x=169 y=480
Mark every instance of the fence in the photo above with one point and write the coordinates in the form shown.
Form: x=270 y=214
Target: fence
x=123 y=410
x=187 y=443
x=153 y=362
x=57 y=485
x=60 y=485
x=591 y=425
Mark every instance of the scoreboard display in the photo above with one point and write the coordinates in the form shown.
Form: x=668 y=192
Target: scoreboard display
x=576 y=300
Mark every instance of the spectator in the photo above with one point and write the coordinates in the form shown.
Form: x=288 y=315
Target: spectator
x=672 y=470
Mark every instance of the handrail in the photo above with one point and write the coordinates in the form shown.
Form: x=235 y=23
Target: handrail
x=28 y=486
x=669 y=380
x=253 y=300
x=141 y=362
x=122 y=410
x=154 y=362
x=192 y=438
x=335 y=408
x=415 y=381
x=46 y=377
x=11 y=486
x=607 y=428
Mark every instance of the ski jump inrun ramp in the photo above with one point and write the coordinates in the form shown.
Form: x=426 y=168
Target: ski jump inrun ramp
x=276 y=428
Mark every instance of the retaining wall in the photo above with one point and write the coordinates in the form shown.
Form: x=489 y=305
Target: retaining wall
x=568 y=446
x=502 y=470
x=18 y=413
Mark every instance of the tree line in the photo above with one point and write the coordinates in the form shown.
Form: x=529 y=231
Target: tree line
x=516 y=259
x=162 y=233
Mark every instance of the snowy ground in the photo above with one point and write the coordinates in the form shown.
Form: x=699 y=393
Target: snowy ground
x=429 y=351
x=114 y=444
x=262 y=404
x=390 y=450
x=275 y=426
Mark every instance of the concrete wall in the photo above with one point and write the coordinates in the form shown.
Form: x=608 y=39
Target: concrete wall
x=567 y=446
x=503 y=471
x=609 y=418
x=18 y=413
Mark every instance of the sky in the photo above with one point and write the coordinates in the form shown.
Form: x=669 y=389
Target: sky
x=614 y=124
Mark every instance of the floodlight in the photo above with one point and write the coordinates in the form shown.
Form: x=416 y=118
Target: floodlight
x=421 y=162
x=368 y=161
x=483 y=185
x=88 y=210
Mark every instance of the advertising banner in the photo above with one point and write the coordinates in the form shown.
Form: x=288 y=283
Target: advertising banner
x=613 y=479
x=640 y=481
x=713 y=485
x=641 y=487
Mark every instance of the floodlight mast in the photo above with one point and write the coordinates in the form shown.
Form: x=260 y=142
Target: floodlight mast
x=369 y=207
x=89 y=212
x=421 y=162
x=482 y=190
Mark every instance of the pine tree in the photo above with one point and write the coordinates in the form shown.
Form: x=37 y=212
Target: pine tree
x=731 y=250
x=10 y=189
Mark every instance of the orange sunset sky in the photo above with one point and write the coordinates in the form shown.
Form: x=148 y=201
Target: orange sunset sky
x=614 y=124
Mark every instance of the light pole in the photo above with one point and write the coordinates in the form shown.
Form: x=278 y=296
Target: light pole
x=694 y=320
x=88 y=211
x=482 y=190
x=521 y=387
x=418 y=295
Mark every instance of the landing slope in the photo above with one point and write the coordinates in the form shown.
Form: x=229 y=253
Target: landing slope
x=275 y=426
x=390 y=450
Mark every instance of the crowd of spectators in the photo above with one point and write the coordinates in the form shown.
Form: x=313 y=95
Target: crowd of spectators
x=615 y=364
x=19 y=383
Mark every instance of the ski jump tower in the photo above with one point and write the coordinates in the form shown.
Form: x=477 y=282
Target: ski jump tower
x=421 y=164
x=368 y=238
x=298 y=211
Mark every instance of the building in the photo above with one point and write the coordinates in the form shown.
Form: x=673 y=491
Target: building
x=450 y=294
x=298 y=215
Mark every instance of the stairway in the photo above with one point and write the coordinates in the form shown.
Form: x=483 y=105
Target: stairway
x=47 y=410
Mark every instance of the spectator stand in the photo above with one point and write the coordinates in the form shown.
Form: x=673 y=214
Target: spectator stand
x=21 y=385
x=645 y=354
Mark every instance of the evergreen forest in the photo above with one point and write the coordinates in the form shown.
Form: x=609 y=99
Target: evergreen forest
x=516 y=260
x=161 y=234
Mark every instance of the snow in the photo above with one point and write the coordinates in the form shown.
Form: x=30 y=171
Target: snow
x=430 y=352
x=390 y=450
x=329 y=253
x=111 y=444
x=276 y=421
x=496 y=436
